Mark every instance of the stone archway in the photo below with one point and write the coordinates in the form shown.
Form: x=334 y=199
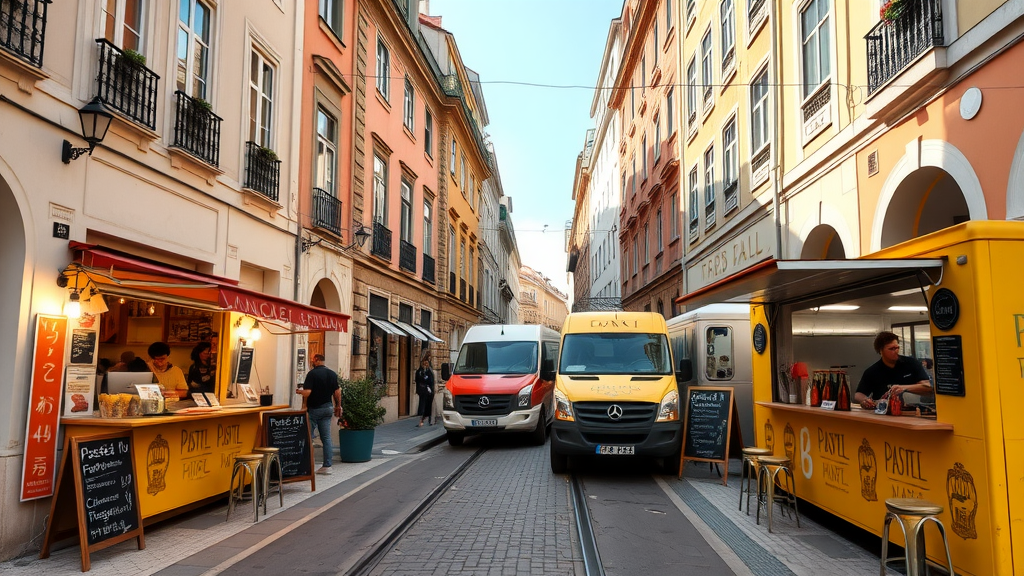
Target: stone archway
x=933 y=186
x=325 y=295
x=823 y=243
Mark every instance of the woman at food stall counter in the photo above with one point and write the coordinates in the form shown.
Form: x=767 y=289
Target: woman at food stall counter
x=170 y=377
x=892 y=373
x=201 y=377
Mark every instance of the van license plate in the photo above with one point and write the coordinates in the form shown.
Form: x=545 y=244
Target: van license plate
x=615 y=450
x=483 y=422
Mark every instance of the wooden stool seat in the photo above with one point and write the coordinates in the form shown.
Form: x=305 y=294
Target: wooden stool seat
x=913 y=507
x=912 y=514
x=748 y=471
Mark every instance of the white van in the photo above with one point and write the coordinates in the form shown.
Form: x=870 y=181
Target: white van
x=716 y=340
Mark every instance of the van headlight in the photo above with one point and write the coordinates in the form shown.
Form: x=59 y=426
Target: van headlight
x=563 y=408
x=669 y=409
x=523 y=400
x=449 y=402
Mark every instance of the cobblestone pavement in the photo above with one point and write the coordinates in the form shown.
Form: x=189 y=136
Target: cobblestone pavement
x=506 y=516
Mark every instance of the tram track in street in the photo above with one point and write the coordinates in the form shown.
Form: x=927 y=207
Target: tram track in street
x=592 y=565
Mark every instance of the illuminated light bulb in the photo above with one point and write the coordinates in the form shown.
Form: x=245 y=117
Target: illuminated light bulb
x=256 y=334
x=242 y=332
x=121 y=301
x=73 y=309
x=151 y=310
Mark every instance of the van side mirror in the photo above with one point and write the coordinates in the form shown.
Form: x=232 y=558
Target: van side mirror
x=446 y=371
x=547 y=369
x=685 y=373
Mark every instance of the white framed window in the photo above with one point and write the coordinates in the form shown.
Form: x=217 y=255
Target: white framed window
x=472 y=190
x=691 y=90
x=409 y=106
x=707 y=72
x=123 y=22
x=462 y=176
x=428 y=132
x=326 y=151
x=261 y=99
x=709 y=186
x=331 y=11
x=451 y=160
x=693 y=182
x=730 y=160
x=428 y=228
x=817 y=44
x=728 y=22
x=406 y=224
x=383 y=69
x=193 y=48
x=668 y=14
x=759 y=121
x=380 y=190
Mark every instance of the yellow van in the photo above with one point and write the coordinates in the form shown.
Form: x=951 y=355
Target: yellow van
x=616 y=392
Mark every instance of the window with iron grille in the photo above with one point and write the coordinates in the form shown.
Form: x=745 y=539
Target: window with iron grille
x=261 y=99
x=383 y=69
x=326 y=151
x=380 y=190
x=193 y=48
x=406 y=223
x=817 y=41
x=409 y=107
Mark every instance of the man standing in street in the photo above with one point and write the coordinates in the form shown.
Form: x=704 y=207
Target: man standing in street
x=323 y=402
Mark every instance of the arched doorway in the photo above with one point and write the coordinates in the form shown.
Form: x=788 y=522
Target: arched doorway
x=325 y=295
x=927 y=200
x=12 y=283
x=823 y=243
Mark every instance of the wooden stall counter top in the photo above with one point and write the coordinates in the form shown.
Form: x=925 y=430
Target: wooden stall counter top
x=161 y=419
x=907 y=422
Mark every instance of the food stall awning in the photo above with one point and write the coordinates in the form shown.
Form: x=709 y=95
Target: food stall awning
x=386 y=326
x=417 y=332
x=116 y=273
x=784 y=281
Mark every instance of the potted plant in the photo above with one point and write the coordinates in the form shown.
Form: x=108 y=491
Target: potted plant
x=126 y=69
x=267 y=154
x=892 y=9
x=361 y=412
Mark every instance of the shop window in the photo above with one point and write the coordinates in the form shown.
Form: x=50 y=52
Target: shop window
x=719 y=362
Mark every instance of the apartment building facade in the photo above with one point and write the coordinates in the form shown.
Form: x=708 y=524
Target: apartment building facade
x=540 y=302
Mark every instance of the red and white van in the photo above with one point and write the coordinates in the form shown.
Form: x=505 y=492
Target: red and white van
x=502 y=382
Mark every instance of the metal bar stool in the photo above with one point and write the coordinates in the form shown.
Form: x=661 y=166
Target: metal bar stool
x=270 y=460
x=245 y=463
x=911 y=514
x=767 y=477
x=748 y=471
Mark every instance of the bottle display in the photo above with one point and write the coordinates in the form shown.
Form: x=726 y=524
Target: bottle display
x=816 y=391
x=843 y=400
x=826 y=392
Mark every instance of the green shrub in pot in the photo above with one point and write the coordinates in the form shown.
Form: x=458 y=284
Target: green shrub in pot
x=360 y=403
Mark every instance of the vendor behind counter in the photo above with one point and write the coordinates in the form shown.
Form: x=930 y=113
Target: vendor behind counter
x=166 y=367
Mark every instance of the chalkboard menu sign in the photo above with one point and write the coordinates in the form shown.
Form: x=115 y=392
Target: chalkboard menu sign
x=708 y=425
x=97 y=481
x=289 y=432
x=83 y=347
x=949 y=365
x=243 y=365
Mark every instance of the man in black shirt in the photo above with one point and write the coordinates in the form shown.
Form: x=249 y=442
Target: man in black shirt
x=323 y=400
x=901 y=373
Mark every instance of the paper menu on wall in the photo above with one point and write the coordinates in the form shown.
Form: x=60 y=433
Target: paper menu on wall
x=78 y=390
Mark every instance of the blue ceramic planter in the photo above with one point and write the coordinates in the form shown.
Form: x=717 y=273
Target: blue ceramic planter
x=355 y=445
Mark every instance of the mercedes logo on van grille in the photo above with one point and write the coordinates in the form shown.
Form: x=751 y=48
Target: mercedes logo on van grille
x=615 y=412
x=483 y=402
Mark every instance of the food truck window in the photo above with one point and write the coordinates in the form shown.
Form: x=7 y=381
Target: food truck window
x=915 y=339
x=719 y=360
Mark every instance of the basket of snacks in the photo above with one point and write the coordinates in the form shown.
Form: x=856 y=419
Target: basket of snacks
x=120 y=406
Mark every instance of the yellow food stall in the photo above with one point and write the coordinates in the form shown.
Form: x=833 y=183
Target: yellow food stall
x=956 y=301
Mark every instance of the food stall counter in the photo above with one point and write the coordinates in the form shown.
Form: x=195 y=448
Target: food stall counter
x=856 y=413
x=182 y=459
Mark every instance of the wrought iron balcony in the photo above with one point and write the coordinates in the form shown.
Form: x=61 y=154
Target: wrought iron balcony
x=462 y=289
x=23 y=29
x=326 y=211
x=893 y=45
x=262 y=170
x=126 y=85
x=428 y=268
x=196 y=128
x=407 y=256
x=381 y=241
x=451 y=283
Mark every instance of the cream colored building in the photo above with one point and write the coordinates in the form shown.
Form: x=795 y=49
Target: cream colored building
x=539 y=301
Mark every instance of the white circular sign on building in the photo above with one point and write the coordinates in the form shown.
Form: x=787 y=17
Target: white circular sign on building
x=970 y=103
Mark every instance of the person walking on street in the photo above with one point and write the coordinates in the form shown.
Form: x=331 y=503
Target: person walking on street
x=425 y=390
x=323 y=402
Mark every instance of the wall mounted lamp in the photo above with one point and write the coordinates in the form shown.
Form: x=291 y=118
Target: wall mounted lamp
x=95 y=120
x=361 y=235
x=248 y=334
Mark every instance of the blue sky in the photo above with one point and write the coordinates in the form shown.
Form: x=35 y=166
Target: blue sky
x=537 y=131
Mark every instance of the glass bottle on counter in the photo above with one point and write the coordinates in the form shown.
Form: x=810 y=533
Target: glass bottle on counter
x=826 y=392
x=843 y=401
x=816 y=391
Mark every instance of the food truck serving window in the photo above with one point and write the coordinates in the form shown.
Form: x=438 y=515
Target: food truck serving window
x=719 y=361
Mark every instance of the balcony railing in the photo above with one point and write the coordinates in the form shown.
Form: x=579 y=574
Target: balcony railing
x=196 y=128
x=381 y=241
x=326 y=211
x=407 y=256
x=451 y=283
x=23 y=29
x=894 y=45
x=262 y=170
x=462 y=289
x=126 y=85
x=428 y=268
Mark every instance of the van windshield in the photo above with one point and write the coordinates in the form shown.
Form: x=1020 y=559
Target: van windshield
x=497 y=358
x=615 y=354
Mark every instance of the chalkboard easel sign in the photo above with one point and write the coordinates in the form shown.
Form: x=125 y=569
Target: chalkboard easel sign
x=710 y=422
x=288 y=430
x=96 y=483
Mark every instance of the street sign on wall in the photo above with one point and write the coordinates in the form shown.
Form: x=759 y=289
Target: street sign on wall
x=39 y=466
